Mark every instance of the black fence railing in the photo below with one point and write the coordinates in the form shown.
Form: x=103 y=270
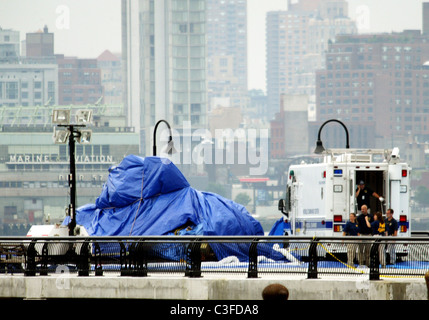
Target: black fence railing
x=196 y=256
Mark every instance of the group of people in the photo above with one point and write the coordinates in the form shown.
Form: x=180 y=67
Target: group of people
x=367 y=224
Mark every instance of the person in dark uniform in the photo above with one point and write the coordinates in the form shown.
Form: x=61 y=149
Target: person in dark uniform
x=363 y=196
x=363 y=220
x=392 y=227
x=351 y=229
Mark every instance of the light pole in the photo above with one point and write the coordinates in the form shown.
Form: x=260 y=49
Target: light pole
x=70 y=133
x=319 y=145
x=170 y=146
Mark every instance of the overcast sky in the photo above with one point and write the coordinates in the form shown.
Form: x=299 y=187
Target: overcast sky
x=86 y=28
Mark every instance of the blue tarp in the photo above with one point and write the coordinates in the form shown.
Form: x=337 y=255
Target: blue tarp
x=280 y=228
x=150 y=196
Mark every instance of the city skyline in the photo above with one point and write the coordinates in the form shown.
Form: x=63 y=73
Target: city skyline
x=75 y=28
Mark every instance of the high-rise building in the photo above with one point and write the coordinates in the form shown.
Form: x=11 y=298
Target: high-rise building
x=164 y=57
x=377 y=80
x=296 y=42
x=425 y=18
x=227 y=53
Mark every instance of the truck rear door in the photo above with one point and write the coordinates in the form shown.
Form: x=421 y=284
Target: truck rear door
x=400 y=196
x=341 y=199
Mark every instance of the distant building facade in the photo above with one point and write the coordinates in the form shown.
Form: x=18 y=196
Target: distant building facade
x=289 y=128
x=296 y=42
x=33 y=170
x=9 y=45
x=39 y=44
x=79 y=81
x=227 y=53
x=111 y=77
x=377 y=79
x=28 y=84
x=164 y=56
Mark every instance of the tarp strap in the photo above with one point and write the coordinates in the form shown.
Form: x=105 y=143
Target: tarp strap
x=140 y=202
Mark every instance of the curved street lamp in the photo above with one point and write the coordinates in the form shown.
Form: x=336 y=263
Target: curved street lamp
x=319 y=145
x=170 y=146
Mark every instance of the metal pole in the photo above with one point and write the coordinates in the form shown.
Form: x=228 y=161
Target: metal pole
x=341 y=123
x=154 y=135
x=72 y=182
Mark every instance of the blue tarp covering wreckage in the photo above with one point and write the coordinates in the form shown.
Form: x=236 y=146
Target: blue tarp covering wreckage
x=150 y=196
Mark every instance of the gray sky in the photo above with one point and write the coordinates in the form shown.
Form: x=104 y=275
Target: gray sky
x=86 y=28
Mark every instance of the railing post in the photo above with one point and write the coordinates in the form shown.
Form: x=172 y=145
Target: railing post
x=44 y=262
x=312 y=263
x=374 y=264
x=97 y=254
x=30 y=260
x=193 y=259
x=83 y=259
x=253 y=260
x=132 y=259
x=123 y=260
x=138 y=259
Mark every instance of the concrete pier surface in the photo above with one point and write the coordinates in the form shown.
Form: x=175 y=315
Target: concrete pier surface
x=208 y=287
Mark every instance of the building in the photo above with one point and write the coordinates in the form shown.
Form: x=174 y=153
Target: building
x=164 y=57
x=224 y=88
x=9 y=45
x=28 y=84
x=79 y=81
x=39 y=44
x=224 y=118
x=289 y=128
x=111 y=77
x=296 y=42
x=226 y=26
x=425 y=18
x=33 y=170
x=380 y=81
x=257 y=106
x=27 y=81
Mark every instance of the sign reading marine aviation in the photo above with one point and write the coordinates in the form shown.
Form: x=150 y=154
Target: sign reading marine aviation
x=47 y=159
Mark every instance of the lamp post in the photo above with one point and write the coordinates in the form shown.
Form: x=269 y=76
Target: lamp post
x=170 y=146
x=70 y=133
x=319 y=145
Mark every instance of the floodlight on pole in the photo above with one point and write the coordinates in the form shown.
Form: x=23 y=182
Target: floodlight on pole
x=84 y=137
x=69 y=133
x=60 y=136
x=319 y=145
x=83 y=116
x=61 y=116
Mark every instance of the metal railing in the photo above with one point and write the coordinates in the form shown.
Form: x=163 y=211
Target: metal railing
x=196 y=256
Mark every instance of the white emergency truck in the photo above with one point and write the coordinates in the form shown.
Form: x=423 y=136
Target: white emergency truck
x=320 y=196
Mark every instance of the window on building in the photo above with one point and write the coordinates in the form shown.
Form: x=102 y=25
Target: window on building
x=12 y=90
